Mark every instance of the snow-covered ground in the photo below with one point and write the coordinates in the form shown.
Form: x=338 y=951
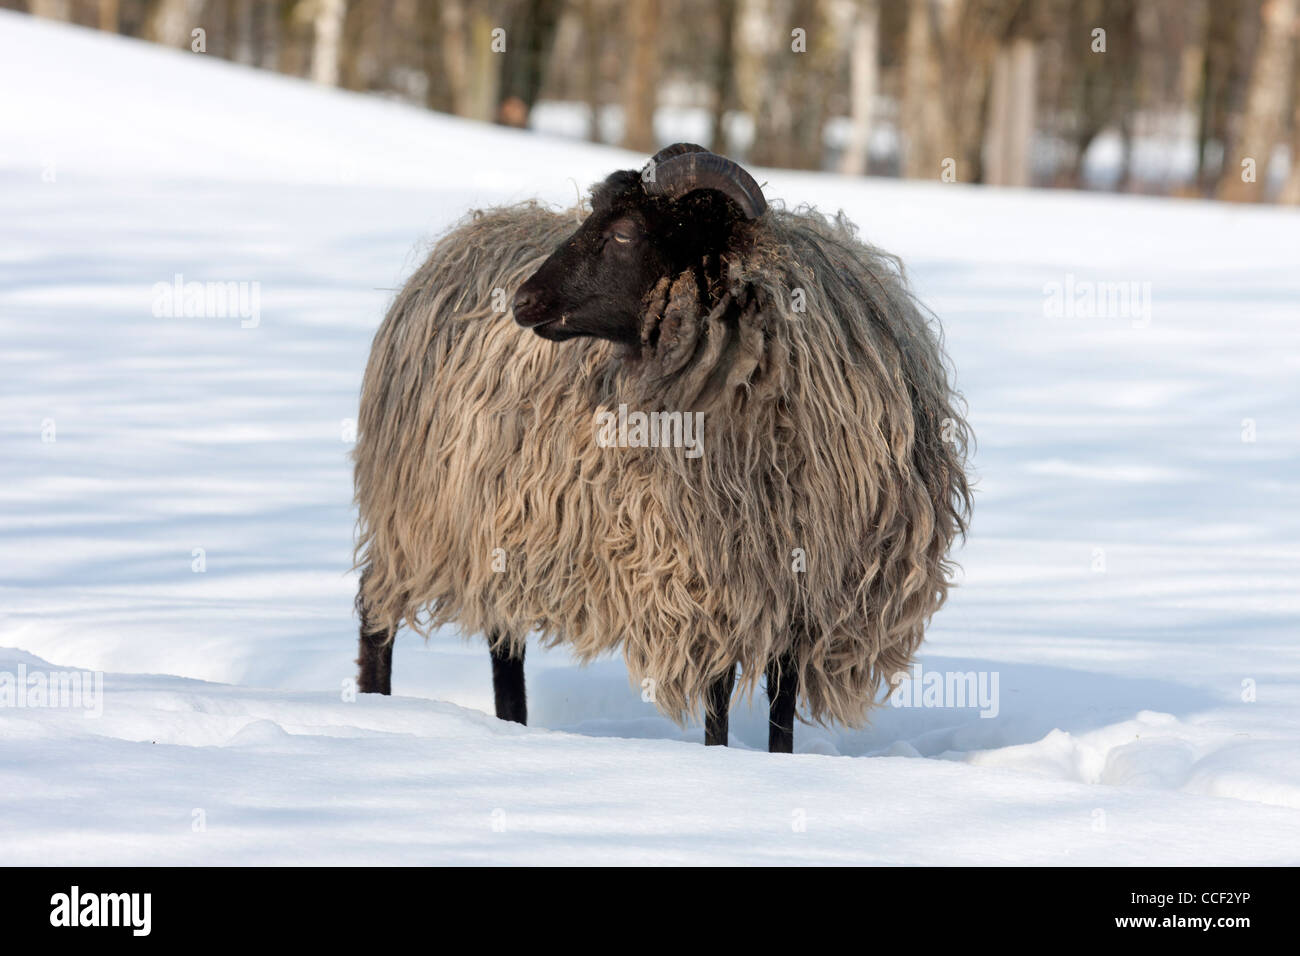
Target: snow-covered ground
x=1131 y=580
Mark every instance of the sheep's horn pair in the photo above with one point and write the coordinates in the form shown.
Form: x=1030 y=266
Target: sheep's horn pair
x=684 y=168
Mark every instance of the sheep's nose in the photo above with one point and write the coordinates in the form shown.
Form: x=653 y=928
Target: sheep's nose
x=527 y=302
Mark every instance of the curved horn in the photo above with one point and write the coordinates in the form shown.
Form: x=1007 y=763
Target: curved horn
x=676 y=149
x=651 y=168
x=687 y=172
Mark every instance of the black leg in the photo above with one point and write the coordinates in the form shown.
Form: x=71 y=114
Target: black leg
x=376 y=663
x=508 y=682
x=782 y=694
x=375 y=659
x=717 y=709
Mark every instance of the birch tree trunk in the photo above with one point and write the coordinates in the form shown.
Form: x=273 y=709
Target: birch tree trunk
x=922 y=120
x=1262 y=122
x=1011 y=114
x=484 y=81
x=863 y=70
x=455 y=43
x=757 y=89
x=50 y=9
x=327 y=32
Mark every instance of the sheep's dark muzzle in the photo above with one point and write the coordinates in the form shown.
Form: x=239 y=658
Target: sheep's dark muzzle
x=530 y=310
x=533 y=311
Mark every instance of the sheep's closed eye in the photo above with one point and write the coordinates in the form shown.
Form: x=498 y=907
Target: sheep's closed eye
x=623 y=232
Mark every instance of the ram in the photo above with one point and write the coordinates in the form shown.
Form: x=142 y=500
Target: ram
x=802 y=534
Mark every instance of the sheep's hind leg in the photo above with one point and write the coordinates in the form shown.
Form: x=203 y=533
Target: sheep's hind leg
x=508 y=681
x=716 y=709
x=782 y=695
x=375 y=660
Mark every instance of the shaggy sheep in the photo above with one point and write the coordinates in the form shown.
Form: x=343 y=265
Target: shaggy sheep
x=802 y=535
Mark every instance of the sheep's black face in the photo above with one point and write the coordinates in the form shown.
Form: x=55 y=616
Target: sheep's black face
x=597 y=282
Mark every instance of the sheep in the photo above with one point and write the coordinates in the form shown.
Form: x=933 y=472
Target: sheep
x=805 y=535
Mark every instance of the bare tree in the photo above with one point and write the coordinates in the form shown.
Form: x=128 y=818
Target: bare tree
x=239 y=31
x=755 y=82
x=530 y=37
x=169 y=22
x=473 y=41
x=355 y=54
x=1012 y=109
x=1224 y=72
x=922 y=118
x=1096 y=56
x=327 y=30
x=593 y=21
x=484 y=78
x=455 y=52
x=724 y=74
x=1245 y=174
x=951 y=47
x=641 y=82
x=799 y=58
x=110 y=15
x=863 y=63
x=51 y=9
x=1291 y=188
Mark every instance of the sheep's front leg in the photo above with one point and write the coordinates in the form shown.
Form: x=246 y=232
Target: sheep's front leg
x=375 y=662
x=782 y=695
x=508 y=681
x=716 y=709
x=375 y=658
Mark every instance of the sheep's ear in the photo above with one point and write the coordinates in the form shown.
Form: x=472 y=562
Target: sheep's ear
x=688 y=172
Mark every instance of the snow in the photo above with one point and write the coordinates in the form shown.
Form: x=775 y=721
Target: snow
x=1129 y=587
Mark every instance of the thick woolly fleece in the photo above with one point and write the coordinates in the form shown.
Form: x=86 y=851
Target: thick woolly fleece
x=816 y=520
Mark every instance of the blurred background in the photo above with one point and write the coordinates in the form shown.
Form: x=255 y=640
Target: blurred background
x=1164 y=97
